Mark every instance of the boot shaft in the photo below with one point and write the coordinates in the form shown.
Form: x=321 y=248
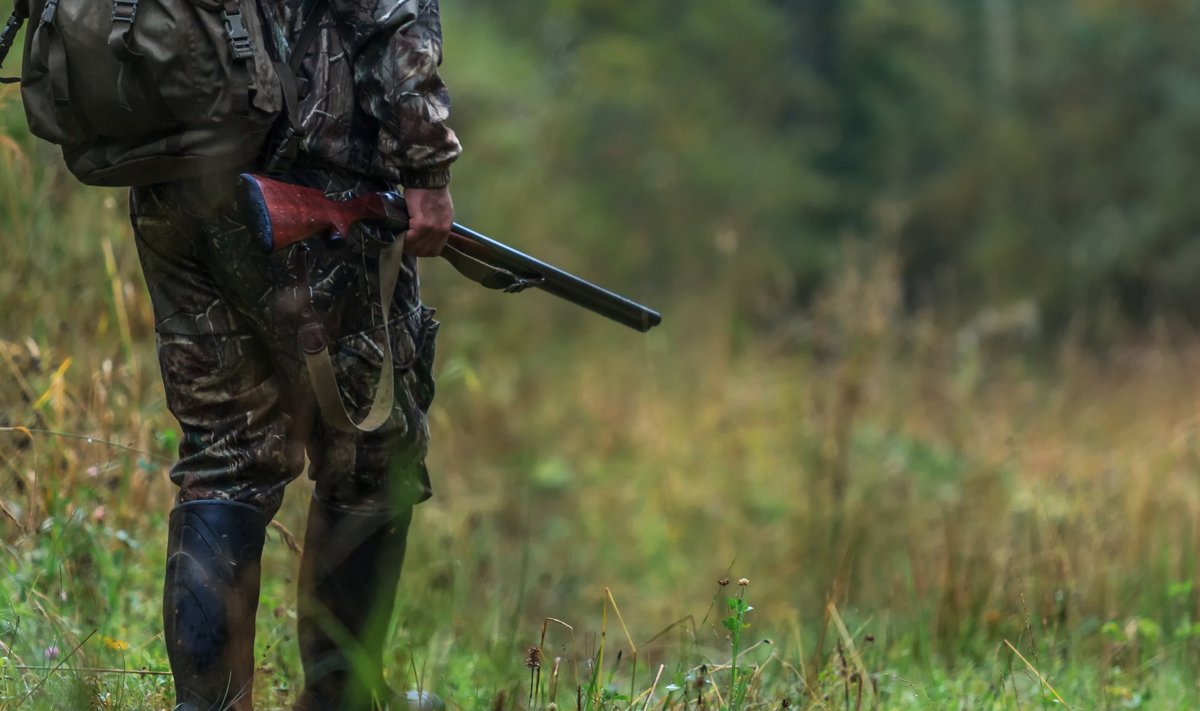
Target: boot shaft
x=348 y=579
x=209 y=601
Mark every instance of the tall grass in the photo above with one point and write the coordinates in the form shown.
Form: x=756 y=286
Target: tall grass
x=926 y=517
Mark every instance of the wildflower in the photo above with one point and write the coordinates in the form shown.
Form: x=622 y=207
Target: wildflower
x=51 y=653
x=743 y=581
x=722 y=581
x=115 y=644
x=534 y=659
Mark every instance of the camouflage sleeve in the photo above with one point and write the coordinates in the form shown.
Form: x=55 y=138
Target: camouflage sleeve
x=397 y=48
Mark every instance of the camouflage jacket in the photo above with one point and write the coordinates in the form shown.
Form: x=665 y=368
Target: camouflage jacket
x=374 y=103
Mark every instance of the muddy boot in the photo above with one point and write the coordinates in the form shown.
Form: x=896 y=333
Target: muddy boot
x=348 y=579
x=209 y=600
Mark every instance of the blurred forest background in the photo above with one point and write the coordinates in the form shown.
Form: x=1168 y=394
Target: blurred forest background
x=928 y=372
x=1003 y=150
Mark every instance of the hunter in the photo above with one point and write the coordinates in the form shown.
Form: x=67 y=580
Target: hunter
x=373 y=111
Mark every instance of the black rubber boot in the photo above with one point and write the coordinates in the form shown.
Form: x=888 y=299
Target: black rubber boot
x=348 y=579
x=209 y=601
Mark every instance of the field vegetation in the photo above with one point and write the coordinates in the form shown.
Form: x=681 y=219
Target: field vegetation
x=889 y=450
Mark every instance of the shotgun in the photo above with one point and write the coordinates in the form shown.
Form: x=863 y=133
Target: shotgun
x=281 y=214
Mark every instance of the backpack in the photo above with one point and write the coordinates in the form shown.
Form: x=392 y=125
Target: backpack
x=145 y=91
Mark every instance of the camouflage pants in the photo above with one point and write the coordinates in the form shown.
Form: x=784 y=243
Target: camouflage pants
x=233 y=371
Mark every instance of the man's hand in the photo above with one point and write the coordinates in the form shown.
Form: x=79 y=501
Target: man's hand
x=430 y=215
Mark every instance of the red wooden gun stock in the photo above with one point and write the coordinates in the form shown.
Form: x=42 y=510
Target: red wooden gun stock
x=281 y=214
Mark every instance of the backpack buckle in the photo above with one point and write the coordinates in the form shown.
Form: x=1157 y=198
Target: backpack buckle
x=239 y=36
x=48 y=12
x=124 y=11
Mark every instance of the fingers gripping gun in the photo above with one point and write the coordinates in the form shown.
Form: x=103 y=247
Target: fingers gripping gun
x=280 y=214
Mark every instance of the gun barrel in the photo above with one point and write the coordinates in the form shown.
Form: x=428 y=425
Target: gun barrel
x=555 y=281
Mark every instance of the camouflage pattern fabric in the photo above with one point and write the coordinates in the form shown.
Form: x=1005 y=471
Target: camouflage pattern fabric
x=374 y=103
x=233 y=371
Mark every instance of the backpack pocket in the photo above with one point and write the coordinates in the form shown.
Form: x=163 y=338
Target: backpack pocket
x=208 y=59
x=124 y=80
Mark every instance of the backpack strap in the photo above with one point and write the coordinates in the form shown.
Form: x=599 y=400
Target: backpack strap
x=120 y=37
x=241 y=47
x=292 y=137
x=9 y=35
x=74 y=122
x=310 y=28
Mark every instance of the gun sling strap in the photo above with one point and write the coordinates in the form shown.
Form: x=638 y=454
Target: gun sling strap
x=315 y=346
x=319 y=361
x=489 y=276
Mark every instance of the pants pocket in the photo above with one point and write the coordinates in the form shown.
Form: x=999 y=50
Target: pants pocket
x=419 y=375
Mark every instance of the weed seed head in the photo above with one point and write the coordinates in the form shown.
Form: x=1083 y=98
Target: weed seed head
x=722 y=581
x=534 y=659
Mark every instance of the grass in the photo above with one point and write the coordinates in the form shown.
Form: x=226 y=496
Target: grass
x=925 y=520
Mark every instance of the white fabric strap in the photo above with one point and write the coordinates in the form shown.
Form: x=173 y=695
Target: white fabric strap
x=320 y=363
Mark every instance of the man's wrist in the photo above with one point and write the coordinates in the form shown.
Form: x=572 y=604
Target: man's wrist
x=425 y=178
